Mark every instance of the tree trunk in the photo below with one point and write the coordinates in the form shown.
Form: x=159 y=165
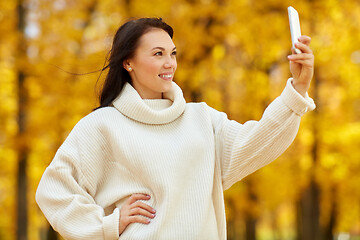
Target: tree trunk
x=308 y=214
x=51 y=234
x=250 y=223
x=309 y=203
x=329 y=229
x=230 y=223
x=250 y=218
x=22 y=217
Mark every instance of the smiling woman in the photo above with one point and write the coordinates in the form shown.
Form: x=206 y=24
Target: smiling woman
x=132 y=43
x=153 y=66
x=147 y=165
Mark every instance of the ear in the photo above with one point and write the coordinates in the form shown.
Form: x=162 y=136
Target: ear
x=126 y=65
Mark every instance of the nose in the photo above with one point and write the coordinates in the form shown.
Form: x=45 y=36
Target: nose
x=170 y=62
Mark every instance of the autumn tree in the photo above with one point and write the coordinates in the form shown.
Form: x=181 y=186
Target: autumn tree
x=232 y=55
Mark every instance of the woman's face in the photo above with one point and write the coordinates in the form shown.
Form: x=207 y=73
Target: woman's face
x=153 y=66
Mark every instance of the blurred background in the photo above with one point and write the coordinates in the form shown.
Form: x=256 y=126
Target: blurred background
x=232 y=54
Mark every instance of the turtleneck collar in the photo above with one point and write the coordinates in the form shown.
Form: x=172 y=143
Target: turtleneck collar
x=154 y=111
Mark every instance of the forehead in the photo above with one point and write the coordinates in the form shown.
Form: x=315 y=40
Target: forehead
x=156 y=38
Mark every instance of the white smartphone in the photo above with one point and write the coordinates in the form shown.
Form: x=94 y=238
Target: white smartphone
x=294 y=23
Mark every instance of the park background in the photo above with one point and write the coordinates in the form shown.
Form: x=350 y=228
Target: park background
x=232 y=54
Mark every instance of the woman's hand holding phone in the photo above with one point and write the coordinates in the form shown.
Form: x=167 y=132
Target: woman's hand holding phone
x=302 y=65
x=302 y=58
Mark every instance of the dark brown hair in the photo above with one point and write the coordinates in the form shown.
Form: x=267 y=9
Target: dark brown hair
x=125 y=42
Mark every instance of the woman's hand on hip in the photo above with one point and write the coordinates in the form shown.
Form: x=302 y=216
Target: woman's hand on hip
x=302 y=65
x=135 y=211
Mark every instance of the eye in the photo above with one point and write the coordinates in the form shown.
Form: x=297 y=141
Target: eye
x=174 y=53
x=158 y=54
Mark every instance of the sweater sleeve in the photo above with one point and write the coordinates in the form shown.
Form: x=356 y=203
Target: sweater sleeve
x=64 y=198
x=245 y=148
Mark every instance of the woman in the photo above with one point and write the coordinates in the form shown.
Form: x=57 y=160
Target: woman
x=148 y=165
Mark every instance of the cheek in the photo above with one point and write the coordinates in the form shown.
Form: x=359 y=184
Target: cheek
x=151 y=66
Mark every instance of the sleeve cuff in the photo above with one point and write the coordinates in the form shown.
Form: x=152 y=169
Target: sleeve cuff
x=111 y=225
x=295 y=101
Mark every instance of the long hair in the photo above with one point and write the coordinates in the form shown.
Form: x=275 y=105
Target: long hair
x=126 y=41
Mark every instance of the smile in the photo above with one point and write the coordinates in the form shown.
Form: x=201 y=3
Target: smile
x=165 y=75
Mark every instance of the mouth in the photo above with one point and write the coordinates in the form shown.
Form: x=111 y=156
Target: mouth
x=167 y=76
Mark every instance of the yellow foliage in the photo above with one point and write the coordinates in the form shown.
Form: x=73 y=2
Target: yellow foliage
x=231 y=54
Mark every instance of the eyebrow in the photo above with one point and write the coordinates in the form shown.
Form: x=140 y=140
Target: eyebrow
x=161 y=48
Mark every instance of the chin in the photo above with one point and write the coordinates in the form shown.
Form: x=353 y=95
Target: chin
x=162 y=86
x=167 y=87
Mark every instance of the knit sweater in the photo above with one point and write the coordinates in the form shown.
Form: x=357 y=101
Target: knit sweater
x=184 y=155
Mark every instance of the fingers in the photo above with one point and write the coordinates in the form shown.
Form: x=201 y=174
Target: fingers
x=304 y=63
x=142 y=212
x=303 y=47
x=135 y=211
x=305 y=39
x=137 y=196
x=125 y=221
x=138 y=219
x=301 y=56
x=306 y=58
x=303 y=44
x=135 y=207
x=143 y=206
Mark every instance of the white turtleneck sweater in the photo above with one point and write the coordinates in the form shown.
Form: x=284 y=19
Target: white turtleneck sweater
x=182 y=155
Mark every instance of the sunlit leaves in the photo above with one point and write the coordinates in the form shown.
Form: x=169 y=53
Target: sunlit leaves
x=231 y=54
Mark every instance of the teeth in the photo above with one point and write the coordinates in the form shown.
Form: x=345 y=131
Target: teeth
x=166 y=75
